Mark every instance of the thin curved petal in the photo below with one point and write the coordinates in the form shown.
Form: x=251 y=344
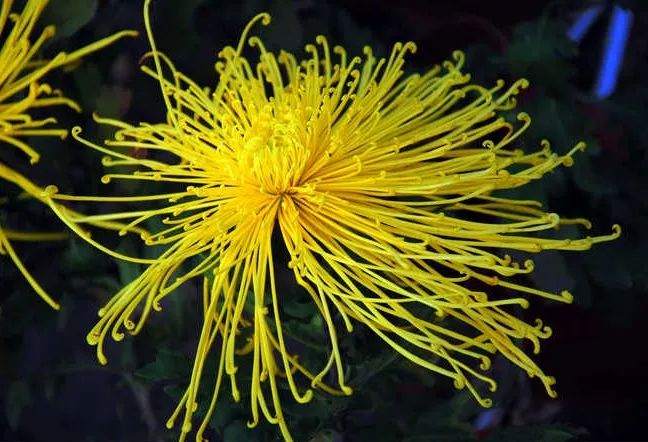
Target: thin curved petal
x=21 y=90
x=383 y=188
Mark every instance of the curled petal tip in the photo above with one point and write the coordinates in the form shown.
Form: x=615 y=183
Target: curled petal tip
x=616 y=230
x=308 y=396
x=49 y=31
x=485 y=402
x=568 y=162
x=49 y=191
x=523 y=116
x=529 y=264
x=567 y=296
x=411 y=46
x=265 y=18
x=485 y=363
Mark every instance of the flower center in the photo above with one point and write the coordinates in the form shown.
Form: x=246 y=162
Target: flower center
x=274 y=154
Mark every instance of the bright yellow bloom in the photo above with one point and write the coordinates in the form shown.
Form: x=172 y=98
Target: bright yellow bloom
x=22 y=89
x=383 y=190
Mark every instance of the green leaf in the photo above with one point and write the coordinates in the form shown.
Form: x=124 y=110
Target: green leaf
x=69 y=15
x=540 y=51
x=127 y=354
x=556 y=121
x=373 y=366
x=446 y=420
x=301 y=309
x=179 y=16
x=308 y=333
x=18 y=397
x=107 y=102
x=80 y=257
x=88 y=80
x=236 y=431
x=168 y=364
x=175 y=392
x=128 y=271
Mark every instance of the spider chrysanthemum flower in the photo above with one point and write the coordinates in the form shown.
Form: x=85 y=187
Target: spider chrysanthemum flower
x=383 y=189
x=21 y=90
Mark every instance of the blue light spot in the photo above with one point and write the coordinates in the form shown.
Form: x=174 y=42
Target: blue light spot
x=615 y=43
x=486 y=419
x=584 y=21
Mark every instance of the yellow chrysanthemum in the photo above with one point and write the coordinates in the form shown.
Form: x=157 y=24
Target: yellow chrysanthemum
x=22 y=89
x=382 y=189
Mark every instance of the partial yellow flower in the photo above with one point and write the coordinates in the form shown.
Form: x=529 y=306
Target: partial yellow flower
x=21 y=90
x=382 y=188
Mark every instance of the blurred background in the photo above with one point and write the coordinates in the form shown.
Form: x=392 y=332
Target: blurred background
x=588 y=83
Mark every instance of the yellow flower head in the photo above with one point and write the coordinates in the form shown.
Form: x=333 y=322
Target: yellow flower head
x=21 y=90
x=383 y=190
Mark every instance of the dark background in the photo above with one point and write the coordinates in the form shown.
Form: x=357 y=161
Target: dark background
x=52 y=388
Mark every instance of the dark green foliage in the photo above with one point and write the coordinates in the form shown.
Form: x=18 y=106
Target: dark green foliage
x=52 y=388
x=69 y=16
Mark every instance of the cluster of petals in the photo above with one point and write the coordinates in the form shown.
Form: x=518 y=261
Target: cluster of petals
x=382 y=188
x=22 y=90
